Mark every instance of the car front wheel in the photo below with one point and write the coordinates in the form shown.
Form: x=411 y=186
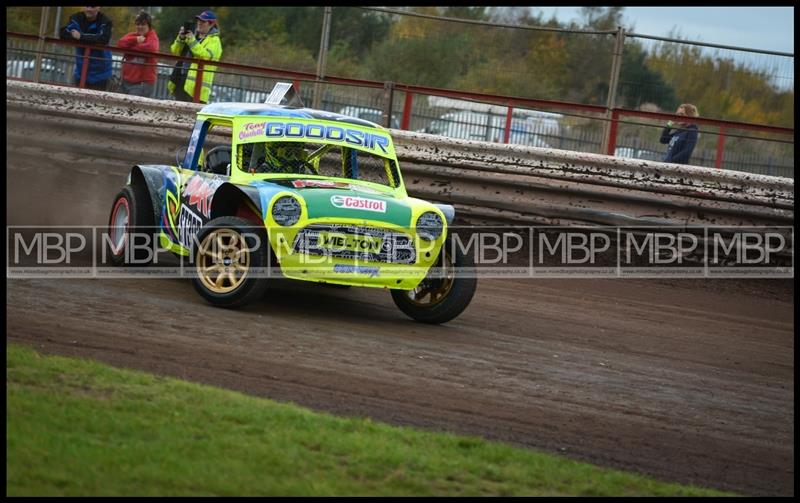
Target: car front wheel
x=230 y=260
x=444 y=293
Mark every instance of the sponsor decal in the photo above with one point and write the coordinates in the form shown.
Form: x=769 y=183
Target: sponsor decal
x=347 y=135
x=168 y=193
x=252 y=129
x=324 y=184
x=170 y=215
x=189 y=224
x=372 y=272
x=199 y=193
x=329 y=184
x=359 y=203
x=357 y=242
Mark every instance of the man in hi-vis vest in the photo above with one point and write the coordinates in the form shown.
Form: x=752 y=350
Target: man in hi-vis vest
x=204 y=44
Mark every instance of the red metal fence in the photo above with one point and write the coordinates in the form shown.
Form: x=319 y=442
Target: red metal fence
x=594 y=114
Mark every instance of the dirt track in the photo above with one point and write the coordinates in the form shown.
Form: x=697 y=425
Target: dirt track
x=687 y=380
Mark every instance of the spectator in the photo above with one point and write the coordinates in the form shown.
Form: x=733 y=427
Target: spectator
x=681 y=139
x=139 y=72
x=91 y=27
x=204 y=44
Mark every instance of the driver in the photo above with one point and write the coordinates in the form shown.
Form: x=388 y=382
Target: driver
x=284 y=157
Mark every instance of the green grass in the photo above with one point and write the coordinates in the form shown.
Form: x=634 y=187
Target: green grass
x=77 y=427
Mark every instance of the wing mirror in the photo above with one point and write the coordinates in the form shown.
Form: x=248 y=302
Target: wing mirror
x=180 y=154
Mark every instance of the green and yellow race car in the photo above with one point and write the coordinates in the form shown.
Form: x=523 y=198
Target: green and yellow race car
x=314 y=195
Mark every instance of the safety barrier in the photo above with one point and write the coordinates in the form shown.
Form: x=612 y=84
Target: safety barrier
x=452 y=113
x=492 y=182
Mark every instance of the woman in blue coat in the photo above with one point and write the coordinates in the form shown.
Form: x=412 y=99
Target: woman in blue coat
x=681 y=139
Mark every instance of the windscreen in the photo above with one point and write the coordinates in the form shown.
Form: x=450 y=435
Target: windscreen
x=310 y=158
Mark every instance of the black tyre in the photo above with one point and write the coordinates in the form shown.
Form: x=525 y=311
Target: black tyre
x=440 y=297
x=131 y=220
x=228 y=259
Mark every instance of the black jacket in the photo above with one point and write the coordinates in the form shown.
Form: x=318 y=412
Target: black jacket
x=681 y=143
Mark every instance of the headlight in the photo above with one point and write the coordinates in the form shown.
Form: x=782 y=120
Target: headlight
x=286 y=211
x=429 y=226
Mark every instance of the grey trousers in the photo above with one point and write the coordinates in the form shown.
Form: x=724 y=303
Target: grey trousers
x=138 y=89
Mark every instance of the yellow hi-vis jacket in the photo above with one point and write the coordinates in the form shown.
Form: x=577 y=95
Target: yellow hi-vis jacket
x=210 y=48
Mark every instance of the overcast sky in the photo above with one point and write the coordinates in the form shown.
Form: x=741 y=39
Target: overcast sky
x=768 y=28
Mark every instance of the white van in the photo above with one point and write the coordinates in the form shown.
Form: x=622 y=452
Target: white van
x=369 y=114
x=471 y=120
x=638 y=153
x=469 y=125
x=51 y=70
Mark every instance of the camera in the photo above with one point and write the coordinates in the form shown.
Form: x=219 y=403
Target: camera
x=187 y=26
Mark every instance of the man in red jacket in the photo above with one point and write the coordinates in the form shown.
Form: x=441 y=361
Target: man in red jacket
x=139 y=72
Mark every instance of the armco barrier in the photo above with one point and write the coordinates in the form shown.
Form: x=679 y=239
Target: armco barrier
x=488 y=181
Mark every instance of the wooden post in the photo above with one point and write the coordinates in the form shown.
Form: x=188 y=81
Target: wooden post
x=40 y=43
x=616 y=65
x=323 y=56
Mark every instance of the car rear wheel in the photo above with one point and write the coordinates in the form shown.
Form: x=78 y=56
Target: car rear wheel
x=443 y=294
x=229 y=259
x=131 y=222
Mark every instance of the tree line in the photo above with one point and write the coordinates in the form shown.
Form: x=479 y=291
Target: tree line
x=574 y=67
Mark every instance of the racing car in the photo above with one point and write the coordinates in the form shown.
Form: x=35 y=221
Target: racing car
x=315 y=195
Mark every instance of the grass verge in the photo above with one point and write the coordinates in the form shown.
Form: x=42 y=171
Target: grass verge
x=77 y=427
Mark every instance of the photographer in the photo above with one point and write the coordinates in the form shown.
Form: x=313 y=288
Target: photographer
x=205 y=44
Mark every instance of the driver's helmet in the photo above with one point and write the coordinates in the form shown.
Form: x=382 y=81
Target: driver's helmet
x=287 y=157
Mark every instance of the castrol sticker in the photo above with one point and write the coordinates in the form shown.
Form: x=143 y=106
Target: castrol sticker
x=358 y=203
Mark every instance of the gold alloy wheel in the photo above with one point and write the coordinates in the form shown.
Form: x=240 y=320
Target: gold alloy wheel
x=223 y=261
x=434 y=289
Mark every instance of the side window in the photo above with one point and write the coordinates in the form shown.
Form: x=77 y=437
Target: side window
x=249 y=156
x=216 y=153
x=205 y=136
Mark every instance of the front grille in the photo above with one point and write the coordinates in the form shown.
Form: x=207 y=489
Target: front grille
x=394 y=248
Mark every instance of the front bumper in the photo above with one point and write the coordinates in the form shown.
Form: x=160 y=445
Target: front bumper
x=354 y=253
